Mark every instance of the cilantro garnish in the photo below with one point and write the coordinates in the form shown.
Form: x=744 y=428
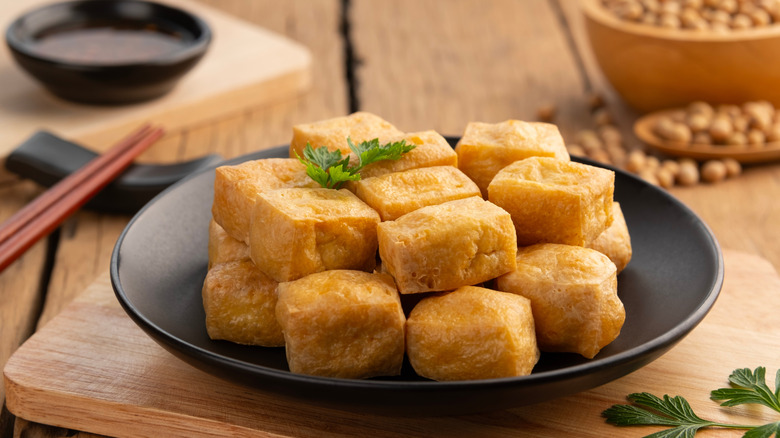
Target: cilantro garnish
x=747 y=387
x=331 y=170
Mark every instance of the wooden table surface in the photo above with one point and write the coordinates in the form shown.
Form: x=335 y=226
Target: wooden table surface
x=421 y=64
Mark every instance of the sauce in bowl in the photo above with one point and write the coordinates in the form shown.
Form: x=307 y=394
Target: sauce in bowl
x=108 y=52
x=109 y=44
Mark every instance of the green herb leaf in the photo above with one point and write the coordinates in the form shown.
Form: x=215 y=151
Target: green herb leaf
x=330 y=170
x=765 y=431
x=748 y=387
x=318 y=174
x=339 y=175
x=677 y=432
x=323 y=157
x=320 y=162
x=371 y=151
x=652 y=410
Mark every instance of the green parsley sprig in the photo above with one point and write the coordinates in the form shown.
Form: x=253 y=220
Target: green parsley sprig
x=747 y=387
x=332 y=171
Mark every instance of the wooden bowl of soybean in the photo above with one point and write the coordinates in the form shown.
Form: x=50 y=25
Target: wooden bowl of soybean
x=654 y=67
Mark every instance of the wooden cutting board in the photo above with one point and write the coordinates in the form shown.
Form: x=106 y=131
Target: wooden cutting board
x=92 y=369
x=246 y=66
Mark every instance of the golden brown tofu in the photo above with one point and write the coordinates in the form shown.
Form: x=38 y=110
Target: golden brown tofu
x=445 y=246
x=472 y=333
x=333 y=133
x=486 y=148
x=395 y=194
x=431 y=149
x=240 y=305
x=223 y=248
x=299 y=231
x=573 y=293
x=236 y=188
x=340 y=323
x=555 y=201
x=615 y=241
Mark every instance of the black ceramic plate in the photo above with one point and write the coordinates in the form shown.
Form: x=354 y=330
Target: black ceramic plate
x=676 y=273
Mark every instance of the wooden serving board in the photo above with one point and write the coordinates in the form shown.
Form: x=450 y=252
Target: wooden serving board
x=246 y=66
x=92 y=369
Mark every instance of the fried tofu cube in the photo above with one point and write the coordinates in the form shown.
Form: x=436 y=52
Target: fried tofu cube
x=615 y=241
x=573 y=293
x=486 y=148
x=333 y=133
x=555 y=201
x=431 y=149
x=342 y=323
x=395 y=194
x=472 y=333
x=445 y=246
x=240 y=305
x=236 y=188
x=223 y=248
x=299 y=231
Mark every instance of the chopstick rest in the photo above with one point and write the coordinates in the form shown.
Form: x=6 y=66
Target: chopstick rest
x=47 y=159
x=47 y=211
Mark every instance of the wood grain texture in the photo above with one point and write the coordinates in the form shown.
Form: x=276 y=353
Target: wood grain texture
x=88 y=238
x=92 y=369
x=228 y=79
x=426 y=64
x=20 y=283
x=655 y=68
x=431 y=64
x=742 y=212
x=622 y=113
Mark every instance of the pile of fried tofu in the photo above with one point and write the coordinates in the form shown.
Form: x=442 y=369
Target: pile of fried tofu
x=468 y=261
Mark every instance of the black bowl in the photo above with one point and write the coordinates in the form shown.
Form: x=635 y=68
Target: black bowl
x=675 y=275
x=108 y=51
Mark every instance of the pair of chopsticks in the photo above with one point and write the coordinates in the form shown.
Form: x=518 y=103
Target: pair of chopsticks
x=50 y=209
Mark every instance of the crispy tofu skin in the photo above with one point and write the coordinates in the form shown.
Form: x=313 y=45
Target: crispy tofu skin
x=555 y=201
x=339 y=323
x=395 y=194
x=223 y=248
x=431 y=149
x=240 y=305
x=615 y=241
x=300 y=231
x=333 y=133
x=442 y=247
x=236 y=189
x=486 y=148
x=573 y=293
x=472 y=333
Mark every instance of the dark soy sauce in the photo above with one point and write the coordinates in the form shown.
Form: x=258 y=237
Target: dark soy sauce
x=109 y=44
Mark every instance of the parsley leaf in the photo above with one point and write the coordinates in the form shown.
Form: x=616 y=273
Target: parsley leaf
x=670 y=411
x=323 y=157
x=371 y=151
x=338 y=176
x=330 y=170
x=765 y=431
x=747 y=387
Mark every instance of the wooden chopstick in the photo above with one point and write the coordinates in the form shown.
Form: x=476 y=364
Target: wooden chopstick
x=49 y=210
x=45 y=200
